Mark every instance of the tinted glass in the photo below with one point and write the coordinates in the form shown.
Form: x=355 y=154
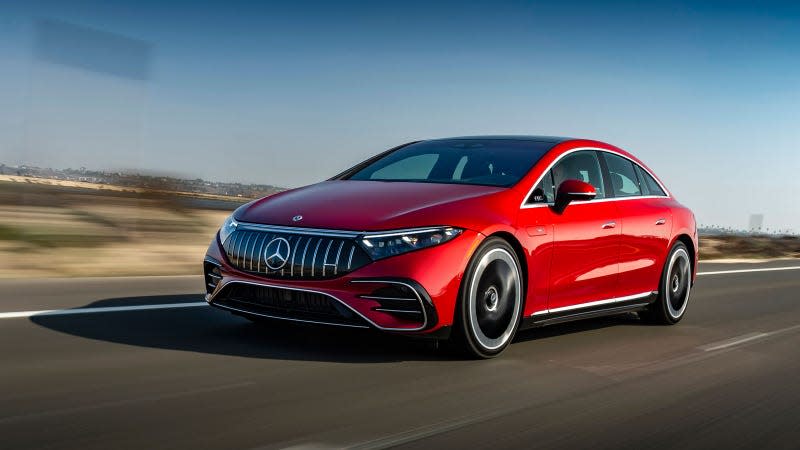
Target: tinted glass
x=583 y=166
x=623 y=176
x=492 y=162
x=419 y=166
x=545 y=191
x=649 y=184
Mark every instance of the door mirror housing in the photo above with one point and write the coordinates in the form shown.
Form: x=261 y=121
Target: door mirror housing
x=573 y=190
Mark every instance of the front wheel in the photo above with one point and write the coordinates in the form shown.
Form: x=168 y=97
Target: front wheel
x=490 y=303
x=674 y=288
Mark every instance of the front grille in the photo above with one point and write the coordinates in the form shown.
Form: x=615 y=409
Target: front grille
x=287 y=304
x=307 y=256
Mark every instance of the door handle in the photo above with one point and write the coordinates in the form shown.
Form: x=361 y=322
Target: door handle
x=661 y=221
x=609 y=225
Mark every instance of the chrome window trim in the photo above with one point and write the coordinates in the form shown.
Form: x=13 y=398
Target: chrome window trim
x=210 y=300
x=525 y=205
x=594 y=303
x=586 y=202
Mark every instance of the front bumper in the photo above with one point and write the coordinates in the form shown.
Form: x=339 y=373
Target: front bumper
x=414 y=293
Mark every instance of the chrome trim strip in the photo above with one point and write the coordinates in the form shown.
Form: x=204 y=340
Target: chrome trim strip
x=401 y=311
x=377 y=297
x=337 y=233
x=416 y=294
x=220 y=286
x=524 y=205
x=591 y=202
x=594 y=303
x=298 y=230
x=289 y=318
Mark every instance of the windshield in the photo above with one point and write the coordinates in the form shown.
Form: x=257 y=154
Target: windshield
x=491 y=162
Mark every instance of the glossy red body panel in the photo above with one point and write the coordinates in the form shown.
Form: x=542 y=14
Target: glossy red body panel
x=569 y=258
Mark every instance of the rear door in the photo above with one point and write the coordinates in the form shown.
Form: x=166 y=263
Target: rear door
x=645 y=224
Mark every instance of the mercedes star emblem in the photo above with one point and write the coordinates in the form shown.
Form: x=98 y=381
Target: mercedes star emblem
x=276 y=253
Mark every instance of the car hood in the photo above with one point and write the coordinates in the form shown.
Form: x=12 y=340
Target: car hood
x=371 y=205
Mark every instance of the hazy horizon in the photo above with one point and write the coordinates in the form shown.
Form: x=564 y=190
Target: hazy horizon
x=705 y=93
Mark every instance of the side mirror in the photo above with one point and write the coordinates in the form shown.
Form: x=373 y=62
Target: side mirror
x=572 y=190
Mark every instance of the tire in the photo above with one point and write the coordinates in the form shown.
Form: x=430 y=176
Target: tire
x=674 y=290
x=490 y=301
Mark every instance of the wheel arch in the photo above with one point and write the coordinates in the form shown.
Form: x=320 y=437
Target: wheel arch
x=687 y=240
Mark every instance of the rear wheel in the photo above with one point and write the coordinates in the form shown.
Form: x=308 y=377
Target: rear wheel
x=674 y=289
x=490 y=303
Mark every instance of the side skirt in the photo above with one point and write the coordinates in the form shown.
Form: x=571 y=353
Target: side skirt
x=588 y=313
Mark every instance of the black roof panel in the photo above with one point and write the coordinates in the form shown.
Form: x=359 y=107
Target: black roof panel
x=552 y=139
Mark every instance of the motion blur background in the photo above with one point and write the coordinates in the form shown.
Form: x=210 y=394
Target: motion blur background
x=132 y=128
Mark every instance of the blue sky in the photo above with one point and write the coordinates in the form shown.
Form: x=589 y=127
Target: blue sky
x=706 y=93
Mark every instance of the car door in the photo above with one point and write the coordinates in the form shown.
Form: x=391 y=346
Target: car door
x=645 y=224
x=585 y=236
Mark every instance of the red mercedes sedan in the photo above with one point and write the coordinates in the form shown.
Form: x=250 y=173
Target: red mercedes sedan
x=468 y=239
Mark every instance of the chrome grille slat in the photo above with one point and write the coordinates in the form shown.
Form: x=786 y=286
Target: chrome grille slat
x=252 y=252
x=294 y=253
x=314 y=258
x=238 y=253
x=338 y=255
x=350 y=258
x=329 y=256
x=303 y=260
x=260 y=252
x=325 y=258
x=245 y=255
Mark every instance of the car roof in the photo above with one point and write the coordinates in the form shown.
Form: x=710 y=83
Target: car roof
x=550 y=139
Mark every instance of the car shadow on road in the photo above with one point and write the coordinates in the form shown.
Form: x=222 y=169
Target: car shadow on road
x=204 y=329
x=208 y=330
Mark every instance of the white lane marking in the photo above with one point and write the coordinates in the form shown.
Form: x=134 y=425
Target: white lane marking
x=64 y=312
x=768 y=269
x=738 y=340
x=733 y=341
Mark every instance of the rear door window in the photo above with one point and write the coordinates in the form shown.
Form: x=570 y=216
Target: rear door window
x=622 y=174
x=649 y=185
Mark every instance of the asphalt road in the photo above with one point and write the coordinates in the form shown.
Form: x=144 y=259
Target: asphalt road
x=728 y=376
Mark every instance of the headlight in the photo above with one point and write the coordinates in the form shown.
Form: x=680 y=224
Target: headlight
x=383 y=245
x=228 y=227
